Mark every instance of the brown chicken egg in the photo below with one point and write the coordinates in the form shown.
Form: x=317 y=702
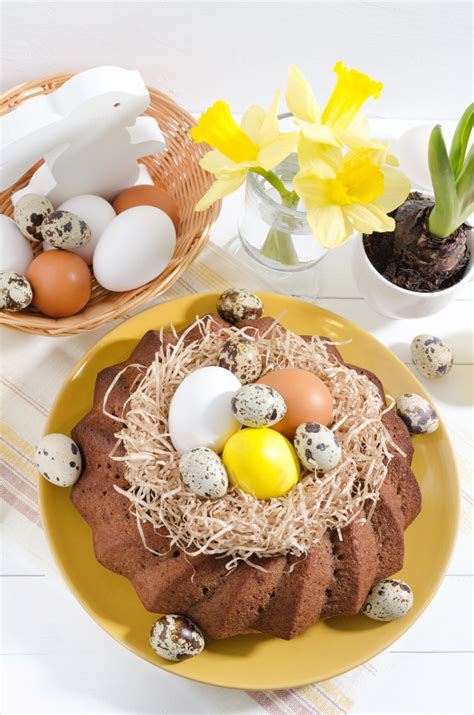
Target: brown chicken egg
x=61 y=283
x=306 y=396
x=148 y=195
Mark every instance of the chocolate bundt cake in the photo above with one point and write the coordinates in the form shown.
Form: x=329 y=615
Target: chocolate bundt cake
x=291 y=593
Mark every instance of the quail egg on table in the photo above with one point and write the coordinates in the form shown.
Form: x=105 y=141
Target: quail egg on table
x=431 y=356
x=176 y=638
x=258 y=406
x=388 y=600
x=29 y=213
x=63 y=229
x=237 y=304
x=317 y=446
x=15 y=291
x=417 y=413
x=58 y=459
x=242 y=357
x=202 y=471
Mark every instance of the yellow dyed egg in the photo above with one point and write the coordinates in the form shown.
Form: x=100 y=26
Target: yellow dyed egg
x=261 y=462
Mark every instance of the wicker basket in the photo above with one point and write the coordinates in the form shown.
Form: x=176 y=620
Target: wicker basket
x=177 y=168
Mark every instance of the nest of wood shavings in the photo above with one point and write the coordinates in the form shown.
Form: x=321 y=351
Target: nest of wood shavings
x=238 y=526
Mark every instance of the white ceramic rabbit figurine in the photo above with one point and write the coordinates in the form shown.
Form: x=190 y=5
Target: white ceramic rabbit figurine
x=89 y=133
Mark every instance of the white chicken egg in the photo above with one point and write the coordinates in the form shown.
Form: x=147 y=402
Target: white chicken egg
x=16 y=253
x=58 y=459
x=96 y=212
x=200 y=413
x=134 y=248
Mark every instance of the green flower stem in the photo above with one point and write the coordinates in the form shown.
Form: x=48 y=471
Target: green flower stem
x=277 y=184
x=279 y=245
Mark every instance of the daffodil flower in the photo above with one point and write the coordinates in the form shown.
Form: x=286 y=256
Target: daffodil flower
x=257 y=145
x=357 y=194
x=340 y=123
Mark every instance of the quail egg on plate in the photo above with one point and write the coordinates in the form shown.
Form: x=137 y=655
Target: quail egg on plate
x=431 y=356
x=63 y=229
x=237 y=304
x=417 y=413
x=258 y=406
x=58 y=459
x=242 y=357
x=388 y=600
x=176 y=638
x=29 y=213
x=15 y=291
x=317 y=446
x=201 y=470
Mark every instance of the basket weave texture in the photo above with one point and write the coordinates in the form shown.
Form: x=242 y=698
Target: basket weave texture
x=177 y=169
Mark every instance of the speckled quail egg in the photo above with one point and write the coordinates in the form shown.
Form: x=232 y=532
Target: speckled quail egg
x=237 y=304
x=258 y=406
x=29 y=214
x=417 y=413
x=15 y=291
x=242 y=357
x=176 y=638
x=317 y=447
x=388 y=600
x=431 y=356
x=202 y=471
x=58 y=459
x=64 y=229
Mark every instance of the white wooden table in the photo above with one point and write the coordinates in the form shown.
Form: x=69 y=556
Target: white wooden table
x=56 y=659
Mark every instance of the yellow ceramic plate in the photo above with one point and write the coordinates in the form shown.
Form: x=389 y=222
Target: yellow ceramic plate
x=255 y=661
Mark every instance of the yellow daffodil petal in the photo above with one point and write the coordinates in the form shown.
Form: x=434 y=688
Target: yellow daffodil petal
x=396 y=189
x=321 y=159
x=357 y=134
x=311 y=189
x=219 y=189
x=252 y=121
x=270 y=128
x=352 y=89
x=276 y=151
x=320 y=133
x=369 y=218
x=330 y=226
x=300 y=98
x=218 y=128
x=219 y=165
x=354 y=141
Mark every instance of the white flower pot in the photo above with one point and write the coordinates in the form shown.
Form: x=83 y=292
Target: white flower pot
x=395 y=302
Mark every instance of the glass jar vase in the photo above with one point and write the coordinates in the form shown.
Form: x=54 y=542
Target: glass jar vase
x=278 y=237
